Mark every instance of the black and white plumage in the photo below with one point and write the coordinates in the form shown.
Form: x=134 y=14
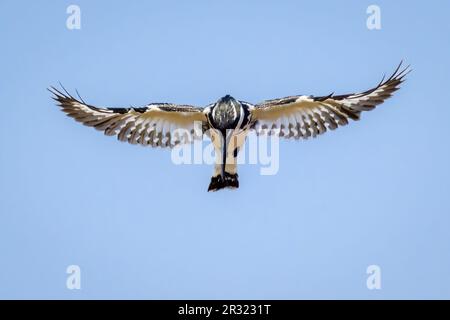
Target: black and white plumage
x=228 y=121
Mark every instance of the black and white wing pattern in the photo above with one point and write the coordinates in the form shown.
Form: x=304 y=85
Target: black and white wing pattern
x=309 y=116
x=153 y=125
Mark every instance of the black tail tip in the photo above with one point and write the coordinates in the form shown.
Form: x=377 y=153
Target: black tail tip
x=228 y=181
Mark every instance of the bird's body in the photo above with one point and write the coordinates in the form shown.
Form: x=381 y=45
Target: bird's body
x=228 y=121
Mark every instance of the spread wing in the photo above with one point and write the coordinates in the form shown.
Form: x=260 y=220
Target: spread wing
x=306 y=116
x=153 y=125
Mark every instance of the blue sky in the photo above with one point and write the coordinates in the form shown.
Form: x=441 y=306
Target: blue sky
x=373 y=193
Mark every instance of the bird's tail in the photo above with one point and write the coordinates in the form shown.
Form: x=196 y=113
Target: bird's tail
x=227 y=181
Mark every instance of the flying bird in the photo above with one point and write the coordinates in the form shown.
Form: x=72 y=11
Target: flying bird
x=228 y=121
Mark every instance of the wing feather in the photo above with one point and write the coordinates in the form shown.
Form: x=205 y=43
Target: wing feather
x=153 y=125
x=305 y=116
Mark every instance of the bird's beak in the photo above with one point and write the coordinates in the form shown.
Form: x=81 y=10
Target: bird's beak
x=226 y=134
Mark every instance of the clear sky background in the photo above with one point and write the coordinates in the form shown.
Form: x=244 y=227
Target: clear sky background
x=373 y=193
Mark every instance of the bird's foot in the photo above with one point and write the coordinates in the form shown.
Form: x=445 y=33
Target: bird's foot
x=231 y=180
x=228 y=181
x=217 y=183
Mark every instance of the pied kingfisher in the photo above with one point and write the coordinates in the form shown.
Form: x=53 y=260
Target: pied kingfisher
x=228 y=121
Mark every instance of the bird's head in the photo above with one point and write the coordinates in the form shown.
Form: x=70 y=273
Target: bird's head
x=225 y=113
